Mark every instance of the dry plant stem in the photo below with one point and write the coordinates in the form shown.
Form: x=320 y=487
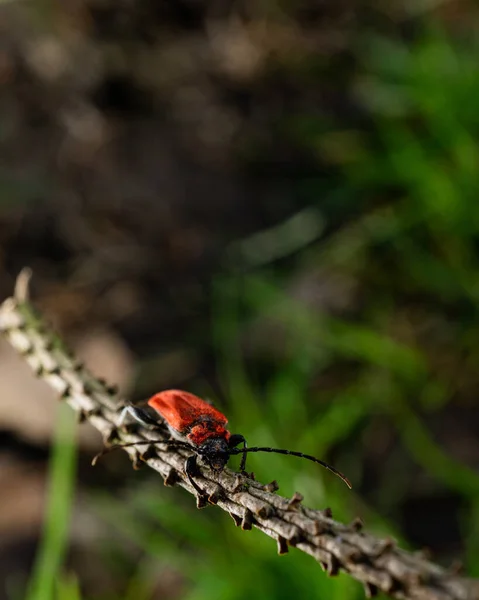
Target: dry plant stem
x=378 y=563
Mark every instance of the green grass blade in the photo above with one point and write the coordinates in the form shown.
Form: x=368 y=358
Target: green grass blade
x=68 y=587
x=427 y=452
x=60 y=492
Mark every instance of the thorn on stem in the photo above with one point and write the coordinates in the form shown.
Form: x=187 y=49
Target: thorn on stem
x=171 y=478
x=81 y=416
x=214 y=497
x=393 y=585
x=354 y=555
x=236 y=518
x=93 y=412
x=295 y=501
x=128 y=427
x=238 y=485
x=424 y=553
x=357 y=524
x=296 y=538
x=271 y=487
x=138 y=462
x=39 y=370
x=456 y=567
x=112 y=436
x=385 y=545
x=247 y=521
x=319 y=528
x=332 y=565
x=150 y=452
x=87 y=389
x=22 y=285
x=49 y=345
x=201 y=501
x=370 y=590
x=265 y=510
x=28 y=351
x=67 y=392
x=282 y=545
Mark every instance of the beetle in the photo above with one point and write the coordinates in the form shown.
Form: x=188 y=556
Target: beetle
x=198 y=426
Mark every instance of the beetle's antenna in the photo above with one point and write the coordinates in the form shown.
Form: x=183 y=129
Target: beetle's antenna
x=170 y=444
x=292 y=453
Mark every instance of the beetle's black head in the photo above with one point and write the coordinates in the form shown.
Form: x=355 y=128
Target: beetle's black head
x=215 y=453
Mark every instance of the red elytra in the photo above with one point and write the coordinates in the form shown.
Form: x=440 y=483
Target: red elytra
x=190 y=416
x=199 y=427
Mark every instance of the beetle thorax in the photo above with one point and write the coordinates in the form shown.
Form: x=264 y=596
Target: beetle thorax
x=207 y=430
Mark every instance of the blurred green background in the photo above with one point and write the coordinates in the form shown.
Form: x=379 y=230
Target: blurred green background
x=272 y=205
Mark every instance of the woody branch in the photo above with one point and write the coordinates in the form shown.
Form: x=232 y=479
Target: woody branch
x=378 y=563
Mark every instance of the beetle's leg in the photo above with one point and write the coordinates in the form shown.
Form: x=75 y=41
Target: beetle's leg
x=191 y=470
x=234 y=440
x=139 y=414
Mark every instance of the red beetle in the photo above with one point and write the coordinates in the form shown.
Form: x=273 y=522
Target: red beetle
x=197 y=426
